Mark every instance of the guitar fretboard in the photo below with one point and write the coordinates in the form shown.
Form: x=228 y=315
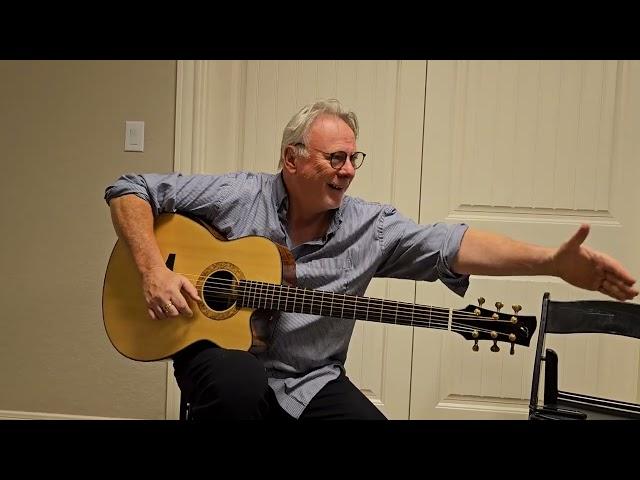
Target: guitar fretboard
x=284 y=298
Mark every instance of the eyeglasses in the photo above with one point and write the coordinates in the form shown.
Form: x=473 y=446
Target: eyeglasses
x=338 y=159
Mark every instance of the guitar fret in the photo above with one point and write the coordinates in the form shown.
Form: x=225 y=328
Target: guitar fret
x=267 y=286
x=381 y=310
x=295 y=299
x=313 y=295
x=254 y=288
x=255 y=295
x=273 y=294
x=261 y=297
x=367 y=313
x=310 y=304
x=331 y=308
x=279 y=294
x=286 y=298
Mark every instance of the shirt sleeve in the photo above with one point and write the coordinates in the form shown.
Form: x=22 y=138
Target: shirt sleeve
x=420 y=252
x=197 y=195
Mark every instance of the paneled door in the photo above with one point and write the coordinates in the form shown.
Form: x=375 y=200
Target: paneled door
x=530 y=149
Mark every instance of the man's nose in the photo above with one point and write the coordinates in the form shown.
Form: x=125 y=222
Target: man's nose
x=347 y=169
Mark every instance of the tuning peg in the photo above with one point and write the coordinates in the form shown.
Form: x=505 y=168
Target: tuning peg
x=512 y=339
x=499 y=305
x=516 y=309
x=480 y=301
x=494 y=347
x=475 y=347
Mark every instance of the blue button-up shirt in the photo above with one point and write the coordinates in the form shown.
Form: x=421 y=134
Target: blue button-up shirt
x=364 y=240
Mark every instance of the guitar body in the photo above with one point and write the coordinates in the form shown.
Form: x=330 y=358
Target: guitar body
x=199 y=253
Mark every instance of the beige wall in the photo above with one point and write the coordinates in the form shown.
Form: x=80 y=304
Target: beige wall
x=61 y=142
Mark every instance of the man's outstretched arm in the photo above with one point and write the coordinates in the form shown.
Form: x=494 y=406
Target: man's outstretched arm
x=485 y=253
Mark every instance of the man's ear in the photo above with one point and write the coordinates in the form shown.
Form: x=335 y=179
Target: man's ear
x=290 y=159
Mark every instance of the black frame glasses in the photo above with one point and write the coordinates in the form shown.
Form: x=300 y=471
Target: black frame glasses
x=338 y=159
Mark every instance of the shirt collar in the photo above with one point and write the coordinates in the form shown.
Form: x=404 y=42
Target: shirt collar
x=281 y=202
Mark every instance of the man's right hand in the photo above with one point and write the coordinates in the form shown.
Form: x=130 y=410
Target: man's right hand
x=167 y=293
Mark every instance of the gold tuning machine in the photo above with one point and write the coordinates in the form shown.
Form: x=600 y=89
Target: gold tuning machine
x=494 y=347
x=512 y=339
x=516 y=309
x=475 y=335
x=477 y=311
x=499 y=305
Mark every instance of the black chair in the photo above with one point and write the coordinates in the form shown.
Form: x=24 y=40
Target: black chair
x=588 y=316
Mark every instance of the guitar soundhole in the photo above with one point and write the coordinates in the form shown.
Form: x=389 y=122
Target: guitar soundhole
x=218 y=291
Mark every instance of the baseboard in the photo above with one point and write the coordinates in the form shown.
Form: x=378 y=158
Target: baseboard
x=17 y=415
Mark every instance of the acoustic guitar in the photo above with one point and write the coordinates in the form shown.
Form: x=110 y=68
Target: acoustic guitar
x=242 y=282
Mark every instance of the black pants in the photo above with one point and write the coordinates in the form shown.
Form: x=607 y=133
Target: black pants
x=232 y=384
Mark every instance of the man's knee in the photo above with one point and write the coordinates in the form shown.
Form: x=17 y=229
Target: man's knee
x=229 y=384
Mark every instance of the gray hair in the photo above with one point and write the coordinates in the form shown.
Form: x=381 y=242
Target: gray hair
x=297 y=130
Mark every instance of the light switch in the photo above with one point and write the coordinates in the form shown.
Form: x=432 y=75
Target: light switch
x=134 y=136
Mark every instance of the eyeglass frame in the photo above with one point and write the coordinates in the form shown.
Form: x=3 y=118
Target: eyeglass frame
x=332 y=156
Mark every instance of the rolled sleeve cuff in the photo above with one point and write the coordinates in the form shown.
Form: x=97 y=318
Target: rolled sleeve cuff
x=125 y=185
x=457 y=283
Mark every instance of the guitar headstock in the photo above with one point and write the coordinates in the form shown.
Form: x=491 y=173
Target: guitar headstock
x=477 y=323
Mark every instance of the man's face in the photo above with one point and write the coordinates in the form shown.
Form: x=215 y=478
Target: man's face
x=319 y=186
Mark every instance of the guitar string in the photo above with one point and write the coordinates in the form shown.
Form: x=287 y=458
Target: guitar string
x=261 y=297
x=355 y=298
x=434 y=320
x=210 y=286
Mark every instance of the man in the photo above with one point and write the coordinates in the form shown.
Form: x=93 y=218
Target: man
x=339 y=243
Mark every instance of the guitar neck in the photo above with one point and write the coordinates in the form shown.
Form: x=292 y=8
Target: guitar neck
x=283 y=298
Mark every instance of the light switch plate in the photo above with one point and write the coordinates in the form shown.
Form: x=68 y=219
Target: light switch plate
x=134 y=136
